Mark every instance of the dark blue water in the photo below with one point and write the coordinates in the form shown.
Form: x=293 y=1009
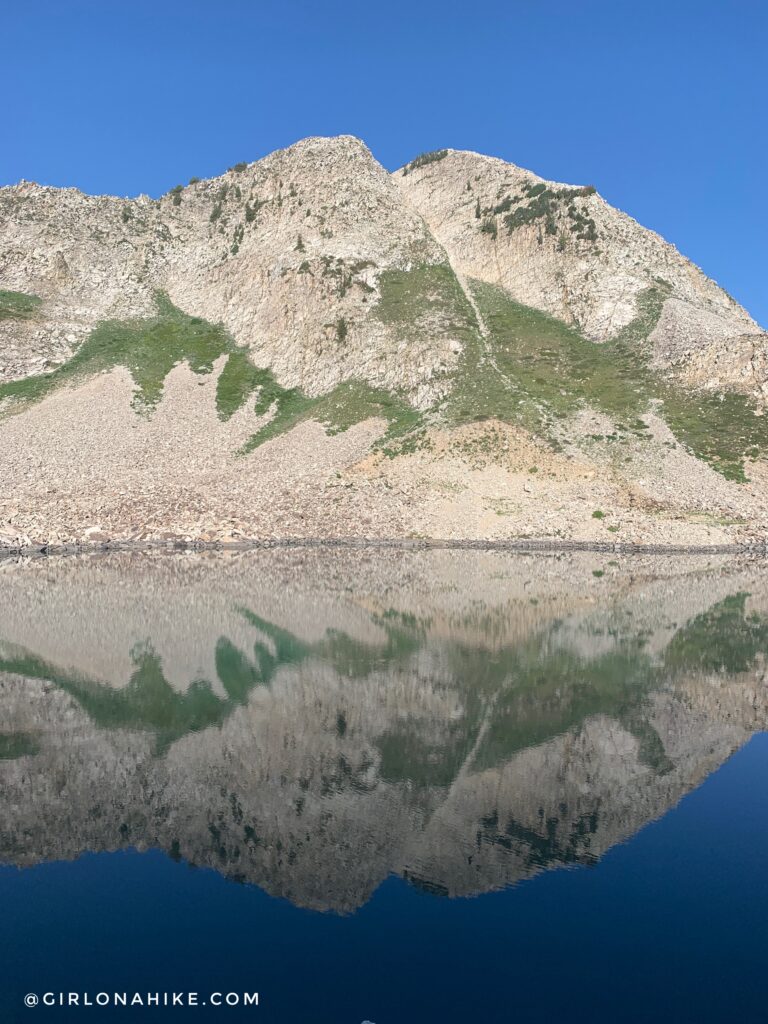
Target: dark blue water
x=671 y=926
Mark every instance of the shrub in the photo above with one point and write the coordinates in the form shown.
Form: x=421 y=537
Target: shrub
x=251 y=211
x=488 y=227
x=193 y=181
x=299 y=244
x=425 y=158
x=341 y=329
x=582 y=225
x=544 y=203
x=215 y=212
x=505 y=205
x=239 y=167
x=541 y=206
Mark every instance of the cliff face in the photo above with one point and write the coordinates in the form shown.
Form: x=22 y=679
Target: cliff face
x=461 y=309
x=563 y=249
x=338 y=729
x=278 y=251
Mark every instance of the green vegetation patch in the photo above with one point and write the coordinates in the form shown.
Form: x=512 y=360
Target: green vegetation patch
x=238 y=381
x=424 y=159
x=488 y=227
x=534 y=370
x=18 y=305
x=149 y=703
x=349 y=403
x=423 y=299
x=149 y=349
x=530 y=370
x=725 y=639
x=17 y=744
x=512 y=696
x=542 y=204
x=417 y=301
x=722 y=428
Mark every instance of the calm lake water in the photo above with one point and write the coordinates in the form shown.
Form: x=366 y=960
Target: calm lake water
x=385 y=787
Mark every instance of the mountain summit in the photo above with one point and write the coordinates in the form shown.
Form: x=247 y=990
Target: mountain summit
x=309 y=345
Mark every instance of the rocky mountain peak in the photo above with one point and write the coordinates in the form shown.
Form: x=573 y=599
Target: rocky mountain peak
x=460 y=293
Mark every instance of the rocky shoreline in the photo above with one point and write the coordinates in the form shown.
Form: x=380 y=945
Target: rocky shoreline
x=757 y=547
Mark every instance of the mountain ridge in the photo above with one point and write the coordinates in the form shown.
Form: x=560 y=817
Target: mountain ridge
x=460 y=296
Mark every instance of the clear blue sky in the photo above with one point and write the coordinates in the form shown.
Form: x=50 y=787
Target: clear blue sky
x=661 y=105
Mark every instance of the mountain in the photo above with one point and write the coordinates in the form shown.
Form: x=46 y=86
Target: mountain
x=309 y=345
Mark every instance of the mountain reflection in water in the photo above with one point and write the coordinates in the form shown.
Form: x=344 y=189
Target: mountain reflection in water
x=315 y=722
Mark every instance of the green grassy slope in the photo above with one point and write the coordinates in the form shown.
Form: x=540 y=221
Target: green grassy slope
x=17 y=305
x=150 y=349
x=531 y=370
x=534 y=370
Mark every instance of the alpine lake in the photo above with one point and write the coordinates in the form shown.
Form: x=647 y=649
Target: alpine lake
x=398 y=787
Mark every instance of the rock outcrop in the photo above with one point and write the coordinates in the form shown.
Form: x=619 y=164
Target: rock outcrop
x=564 y=249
